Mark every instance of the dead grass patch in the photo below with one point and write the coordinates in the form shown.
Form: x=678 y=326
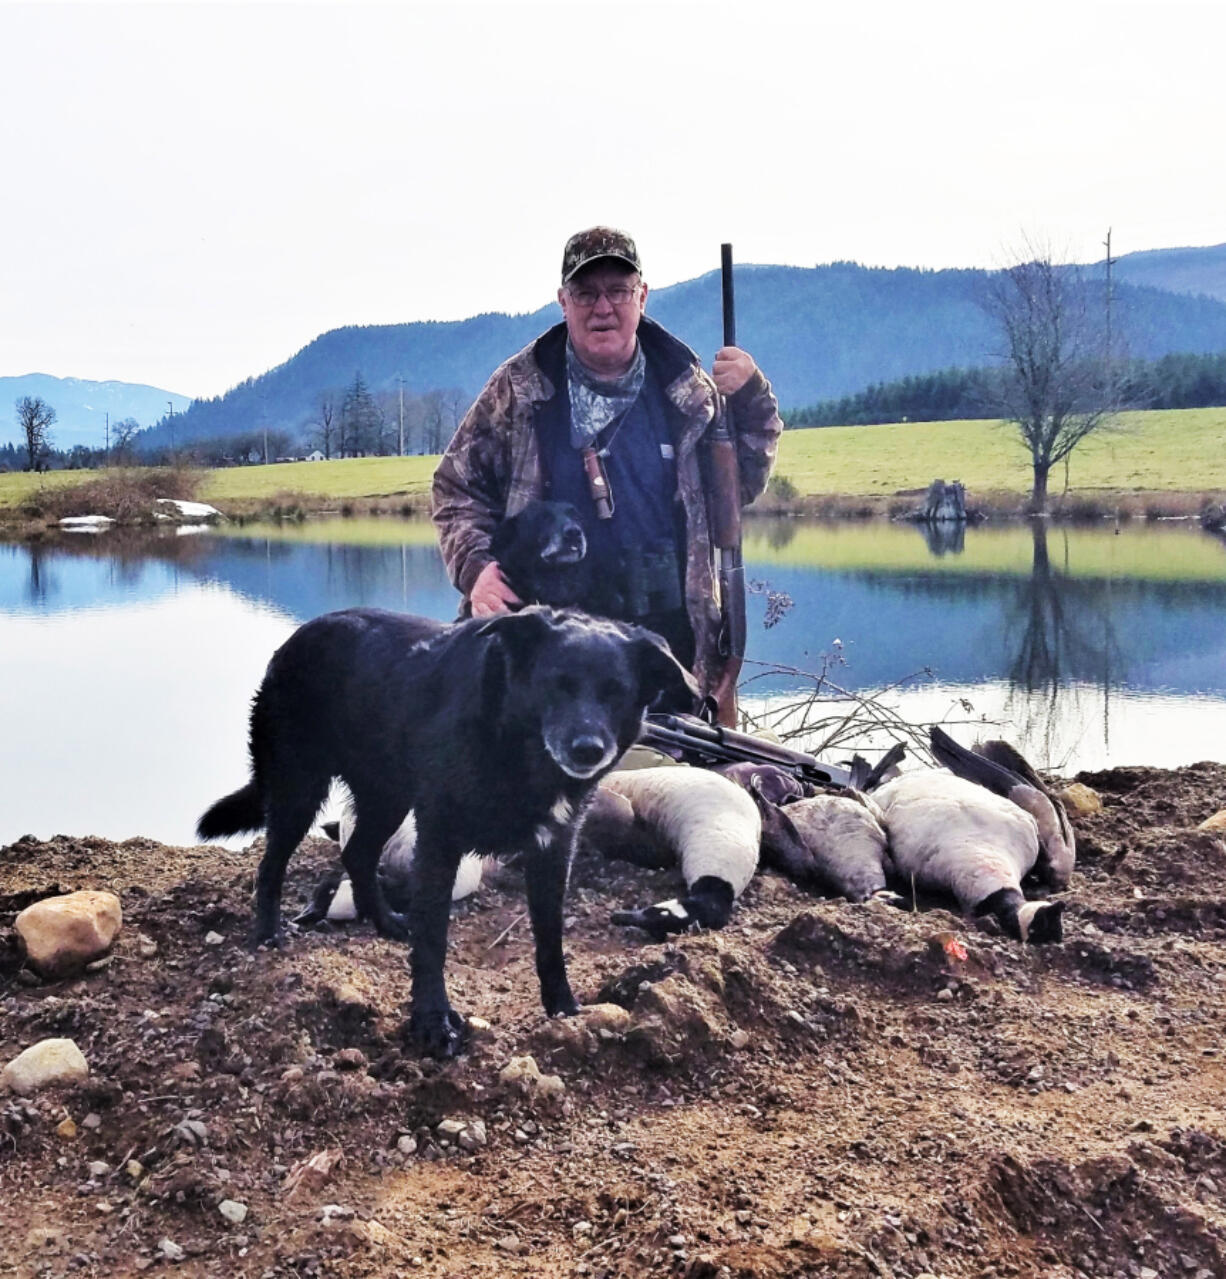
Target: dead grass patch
x=127 y=495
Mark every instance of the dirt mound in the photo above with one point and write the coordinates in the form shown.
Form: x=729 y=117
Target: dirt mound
x=820 y=1089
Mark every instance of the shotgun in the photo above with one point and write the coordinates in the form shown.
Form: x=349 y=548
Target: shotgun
x=703 y=744
x=725 y=513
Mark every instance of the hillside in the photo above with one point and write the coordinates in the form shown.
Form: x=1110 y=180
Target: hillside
x=818 y=332
x=1189 y=270
x=81 y=406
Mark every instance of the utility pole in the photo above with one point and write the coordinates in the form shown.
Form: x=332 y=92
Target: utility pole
x=170 y=404
x=106 y=451
x=401 y=381
x=1110 y=263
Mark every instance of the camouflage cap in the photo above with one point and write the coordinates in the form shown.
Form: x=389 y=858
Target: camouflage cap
x=585 y=247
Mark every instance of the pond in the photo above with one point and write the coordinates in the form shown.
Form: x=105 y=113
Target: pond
x=130 y=657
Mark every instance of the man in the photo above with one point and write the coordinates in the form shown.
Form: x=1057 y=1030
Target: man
x=607 y=410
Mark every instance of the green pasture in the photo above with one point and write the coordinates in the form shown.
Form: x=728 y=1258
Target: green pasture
x=350 y=478
x=17 y=486
x=1167 y=552
x=1173 y=450
x=354 y=477
x=1176 y=450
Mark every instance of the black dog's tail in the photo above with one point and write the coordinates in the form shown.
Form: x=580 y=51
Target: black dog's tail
x=241 y=811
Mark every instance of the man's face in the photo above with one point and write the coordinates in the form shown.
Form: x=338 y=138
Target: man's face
x=602 y=330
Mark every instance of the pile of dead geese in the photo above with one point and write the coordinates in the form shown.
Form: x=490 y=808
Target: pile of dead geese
x=976 y=830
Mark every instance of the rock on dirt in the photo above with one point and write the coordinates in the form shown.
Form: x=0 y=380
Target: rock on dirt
x=63 y=934
x=48 y=1063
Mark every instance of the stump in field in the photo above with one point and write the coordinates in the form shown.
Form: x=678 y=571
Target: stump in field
x=944 y=503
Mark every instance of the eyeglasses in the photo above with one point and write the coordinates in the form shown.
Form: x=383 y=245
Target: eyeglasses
x=618 y=295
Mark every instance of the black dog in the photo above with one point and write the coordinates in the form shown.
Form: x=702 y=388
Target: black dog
x=542 y=551
x=494 y=732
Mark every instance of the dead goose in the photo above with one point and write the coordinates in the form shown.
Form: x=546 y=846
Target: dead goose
x=332 y=897
x=828 y=838
x=951 y=835
x=833 y=841
x=670 y=815
x=1001 y=769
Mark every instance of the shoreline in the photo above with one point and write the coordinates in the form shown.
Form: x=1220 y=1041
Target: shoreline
x=1206 y=507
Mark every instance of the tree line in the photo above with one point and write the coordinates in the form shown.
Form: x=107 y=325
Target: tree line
x=352 y=421
x=37 y=451
x=349 y=421
x=357 y=422
x=1171 y=382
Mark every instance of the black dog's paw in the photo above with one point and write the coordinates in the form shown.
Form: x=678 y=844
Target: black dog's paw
x=390 y=923
x=562 y=1006
x=438 y=1034
x=266 y=934
x=659 y=921
x=309 y=917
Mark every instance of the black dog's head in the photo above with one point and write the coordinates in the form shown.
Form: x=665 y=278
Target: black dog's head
x=541 y=550
x=581 y=684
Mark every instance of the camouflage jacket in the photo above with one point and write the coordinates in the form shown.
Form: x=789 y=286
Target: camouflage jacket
x=492 y=466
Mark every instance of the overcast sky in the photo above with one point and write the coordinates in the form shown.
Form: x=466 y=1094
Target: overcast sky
x=189 y=193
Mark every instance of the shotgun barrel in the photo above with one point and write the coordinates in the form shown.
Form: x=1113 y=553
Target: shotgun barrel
x=698 y=742
x=725 y=512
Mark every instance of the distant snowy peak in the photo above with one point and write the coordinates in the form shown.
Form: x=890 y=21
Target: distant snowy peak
x=81 y=406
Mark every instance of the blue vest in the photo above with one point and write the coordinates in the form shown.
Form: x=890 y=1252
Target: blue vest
x=637 y=554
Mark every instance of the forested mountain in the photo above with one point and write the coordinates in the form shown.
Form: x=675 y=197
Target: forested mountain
x=819 y=333
x=81 y=406
x=1190 y=271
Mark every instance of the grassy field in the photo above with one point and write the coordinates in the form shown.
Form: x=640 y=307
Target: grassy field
x=1178 y=450
x=353 y=477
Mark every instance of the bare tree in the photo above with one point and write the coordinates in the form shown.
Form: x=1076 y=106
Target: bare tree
x=455 y=405
x=123 y=437
x=34 y=417
x=433 y=422
x=1056 y=387
x=323 y=431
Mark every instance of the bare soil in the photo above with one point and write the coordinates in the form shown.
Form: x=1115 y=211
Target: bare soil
x=818 y=1090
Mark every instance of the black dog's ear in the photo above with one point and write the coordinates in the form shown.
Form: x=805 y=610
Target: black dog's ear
x=518 y=634
x=514 y=636
x=667 y=685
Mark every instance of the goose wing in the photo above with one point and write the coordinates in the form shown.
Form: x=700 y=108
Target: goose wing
x=1002 y=769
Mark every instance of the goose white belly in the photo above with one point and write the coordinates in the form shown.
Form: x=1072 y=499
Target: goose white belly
x=710 y=822
x=394 y=862
x=948 y=834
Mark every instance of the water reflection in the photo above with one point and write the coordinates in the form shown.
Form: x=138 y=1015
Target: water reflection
x=1088 y=647
x=1065 y=637
x=945 y=538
